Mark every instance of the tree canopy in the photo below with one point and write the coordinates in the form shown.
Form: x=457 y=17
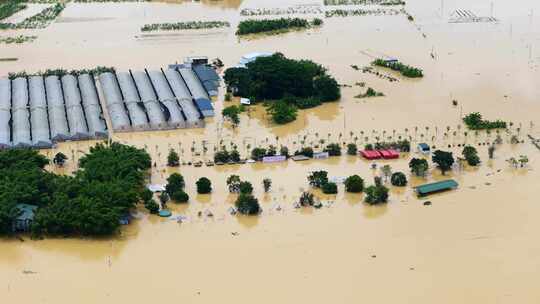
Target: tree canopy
x=443 y=159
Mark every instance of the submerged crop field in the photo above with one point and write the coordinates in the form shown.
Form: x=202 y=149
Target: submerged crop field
x=252 y=137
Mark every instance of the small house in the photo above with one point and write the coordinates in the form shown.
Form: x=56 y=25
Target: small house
x=23 y=222
x=274 y=159
x=424 y=148
x=321 y=155
x=436 y=187
x=370 y=154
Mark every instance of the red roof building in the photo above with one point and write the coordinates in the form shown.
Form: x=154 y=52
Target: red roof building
x=389 y=154
x=370 y=154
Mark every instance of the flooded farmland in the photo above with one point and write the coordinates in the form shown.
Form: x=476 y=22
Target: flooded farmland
x=476 y=244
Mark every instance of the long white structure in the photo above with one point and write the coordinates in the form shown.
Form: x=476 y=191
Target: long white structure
x=20 y=113
x=115 y=104
x=166 y=97
x=75 y=114
x=184 y=98
x=135 y=107
x=58 y=124
x=154 y=110
x=97 y=127
x=5 y=113
x=39 y=118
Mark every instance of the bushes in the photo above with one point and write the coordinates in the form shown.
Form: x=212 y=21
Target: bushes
x=376 y=194
x=247 y=204
x=419 y=166
x=281 y=112
x=179 y=196
x=471 y=155
x=38 y=21
x=354 y=184
x=245 y=187
x=329 y=188
x=306 y=151
x=318 y=178
x=474 y=121
x=10 y=7
x=173 y=160
x=190 y=25
x=333 y=150
x=443 y=159
x=398 y=179
x=405 y=70
x=204 y=185
x=269 y=25
x=224 y=156
x=258 y=154
x=352 y=149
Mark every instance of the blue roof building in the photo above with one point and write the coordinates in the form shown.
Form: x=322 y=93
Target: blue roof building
x=205 y=106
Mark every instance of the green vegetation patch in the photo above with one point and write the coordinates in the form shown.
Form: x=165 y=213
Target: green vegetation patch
x=17 y=40
x=363 y=12
x=299 y=83
x=38 y=21
x=189 y=25
x=474 y=121
x=62 y=72
x=254 y=26
x=108 y=184
x=405 y=70
x=364 y=2
x=10 y=7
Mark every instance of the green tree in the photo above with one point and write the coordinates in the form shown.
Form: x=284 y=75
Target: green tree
x=386 y=171
x=146 y=195
x=204 y=185
x=152 y=206
x=444 y=160
x=59 y=159
x=163 y=198
x=222 y=156
x=376 y=194
x=247 y=204
x=419 y=166
x=233 y=183
x=180 y=196
x=398 y=179
x=246 y=187
x=173 y=160
x=258 y=154
x=318 y=178
x=175 y=183
x=333 y=149
x=267 y=184
x=306 y=199
x=354 y=184
x=329 y=188
x=471 y=155
x=352 y=149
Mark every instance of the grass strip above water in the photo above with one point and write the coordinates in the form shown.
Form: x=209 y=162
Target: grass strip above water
x=255 y=26
x=190 y=25
x=405 y=70
x=38 y=21
x=10 y=7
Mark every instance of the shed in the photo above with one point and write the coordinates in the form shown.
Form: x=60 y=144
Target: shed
x=208 y=77
x=205 y=106
x=274 y=159
x=389 y=154
x=24 y=221
x=321 y=155
x=424 y=148
x=432 y=188
x=370 y=154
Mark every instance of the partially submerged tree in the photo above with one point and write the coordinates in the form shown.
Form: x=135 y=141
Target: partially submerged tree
x=233 y=183
x=245 y=187
x=267 y=184
x=398 y=179
x=354 y=184
x=173 y=160
x=376 y=194
x=329 y=188
x=333 y=149
x=471 y=155
x=152 y=206
x=386 y=171
x=175 y=183
x=352 y=149
x=59 y=159
x=306 y=199
x=419 y=166
x=204 y=185
x=444 y=160
x=247 y=204
x=318 y=178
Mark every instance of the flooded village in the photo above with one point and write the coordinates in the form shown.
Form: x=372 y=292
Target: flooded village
x=325 y=192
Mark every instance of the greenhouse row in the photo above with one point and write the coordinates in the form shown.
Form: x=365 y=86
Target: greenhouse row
x=37 y=111
x=153 y=100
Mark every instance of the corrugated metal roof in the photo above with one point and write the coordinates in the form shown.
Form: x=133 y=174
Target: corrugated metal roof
x=204 y=104
x=436 y=187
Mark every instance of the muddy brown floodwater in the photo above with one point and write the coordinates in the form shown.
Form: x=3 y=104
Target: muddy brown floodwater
x=478 y=244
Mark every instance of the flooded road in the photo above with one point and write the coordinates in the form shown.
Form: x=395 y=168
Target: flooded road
x=477 y=244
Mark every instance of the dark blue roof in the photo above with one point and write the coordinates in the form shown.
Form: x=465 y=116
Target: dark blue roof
x=204 y=104
x=424 y=146
x=205 y=72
